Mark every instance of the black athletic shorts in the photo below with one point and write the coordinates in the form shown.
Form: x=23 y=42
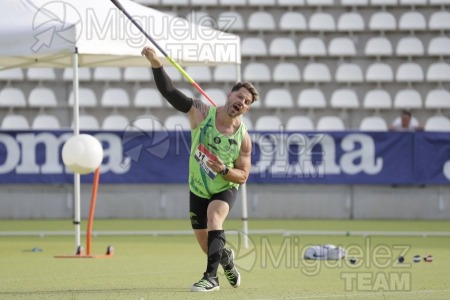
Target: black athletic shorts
x=198 y=206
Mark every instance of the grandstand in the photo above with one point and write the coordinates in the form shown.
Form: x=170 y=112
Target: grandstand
x=345 y=65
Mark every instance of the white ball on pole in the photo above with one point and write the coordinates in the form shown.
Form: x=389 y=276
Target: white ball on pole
x=82 y=154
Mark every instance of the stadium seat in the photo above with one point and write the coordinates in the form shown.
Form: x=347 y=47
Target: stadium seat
x=412 y=21
x=269 y=123
x=200 y=73
x=230 y=21
x=409 y=72
x=301 y=123
x=86 y=97
x=45 y=122
x=292 y=21
x=41 y=74
x=377 y=99
x=253 y=46
x=373 y=123
x=88 y=122
x=12 y=74
x=84 y=74
x=147 y=123
x=439 y=21
x=188 y=92
x=382 y=21
x=291 y=3
x=378 y=46
x=225 y=73
x=115 y=97
x=286 y=72
x=107 y=74
x=261 y=21
x=247 y=122
x=330 y=123
x=316 y=72
x=258 y=72
x=201 y=18
x=279 y=98
x=311 y=98
x=349 y=73
x=379 y=72
x=136 y=74
x=115 y=122
x=437 y=123
x=438 y=99
x=383 y=3
x=342 y=47
x=355 y=2
x=439 y=2
x=312 y=46
x=282 y=47
x=15 y=122
x=173 y=73
x=321 y=21
x=439 y=71
x=42 y=97
x=177 y=122
x=232 y=3
x=12 y=97
x=344 y=99
x=410 y=46
x=148 y=98
x=350 y=22
x=261 y=2
x=439 y=46
x=319 y=2
x=413 y=2
x=408 y=99
x=217 y=95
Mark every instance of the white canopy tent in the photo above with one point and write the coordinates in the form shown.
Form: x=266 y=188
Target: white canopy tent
x=87 y=33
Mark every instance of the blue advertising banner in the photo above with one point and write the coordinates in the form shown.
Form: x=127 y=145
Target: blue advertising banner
x=136 y=156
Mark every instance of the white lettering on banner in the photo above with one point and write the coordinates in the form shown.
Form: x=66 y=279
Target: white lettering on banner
x=20 y=153
x=275 y=150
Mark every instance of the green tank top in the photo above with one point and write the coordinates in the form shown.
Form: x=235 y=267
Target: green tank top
x=208 y=143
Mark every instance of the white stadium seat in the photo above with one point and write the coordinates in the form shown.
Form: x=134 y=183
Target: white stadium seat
x=230 y=21
x=225 y=73
x=409 y=72
x=282 y=47
x=383 y=2
x=439 y=46
x=312 y=46
x=42 y=97
x=378 y=46
x=354 y=2
x=40 y=74
x=253 y=46
x=344 y=98
x=377 y=99
x=438 y=99
x=439 y=71
x=349 y=73
x=115 y=122
x=219 y=96
x=177 y=122
x=279 y=98
x=233 y=2
x=84 y=74
x=147 y=122
x=440 y=2
x=137 y=74
x=12 y=74
x=319 y=2
x=247 y=122
x=200 y=73
x=261 y=21
x=350 y=22
x=311 y=98
x=12 y=97
x=269 y=123
x=373 y=123
x=107 y=74
x=302 y=123
x=316 y=72
x=148 y=98
x=330 y=123
x=261 y=2
x=439 y=21
x=410 y=46
x=257 y=72
x=341 y=46
x=291 y=2
x=293 y=21
x=15 y=122
x=86 y=97
x=286 y=72
x=379 y=72
x=88 y=122
x=173 y=73
x=408 y=99
x=205 y=2
x=413 y=2
x=45 y=122
x=382 y=21
x=115 y=97
x=321 y=21
x=200 y=17
x=437 y=123
x=412 y=21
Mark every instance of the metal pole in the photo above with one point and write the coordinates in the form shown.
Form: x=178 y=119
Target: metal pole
x=76 y=131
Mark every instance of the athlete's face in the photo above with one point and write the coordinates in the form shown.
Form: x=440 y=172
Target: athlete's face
x=238 y=102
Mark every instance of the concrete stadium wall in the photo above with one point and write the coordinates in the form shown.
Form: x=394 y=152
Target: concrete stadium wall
x=264 y=201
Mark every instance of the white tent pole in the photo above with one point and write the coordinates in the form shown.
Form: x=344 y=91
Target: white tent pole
x=244 y=186
x=76 y=131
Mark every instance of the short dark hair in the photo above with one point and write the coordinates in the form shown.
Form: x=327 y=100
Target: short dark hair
x=406 y=113
x=249 y=87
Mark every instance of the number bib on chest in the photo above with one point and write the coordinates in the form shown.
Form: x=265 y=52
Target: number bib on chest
x=202 y=155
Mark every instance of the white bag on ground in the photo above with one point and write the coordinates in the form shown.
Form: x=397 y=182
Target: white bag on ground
x=325 y=252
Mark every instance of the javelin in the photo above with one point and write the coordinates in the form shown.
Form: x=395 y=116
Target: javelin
x=170 y=59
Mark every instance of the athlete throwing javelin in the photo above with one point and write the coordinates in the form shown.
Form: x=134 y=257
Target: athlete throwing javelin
x=218 y=163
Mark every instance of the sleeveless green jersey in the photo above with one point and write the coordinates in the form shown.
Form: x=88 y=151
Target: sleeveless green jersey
x=208 y=143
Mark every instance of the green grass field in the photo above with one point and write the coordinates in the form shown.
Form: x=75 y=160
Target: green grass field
x=164 y=267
